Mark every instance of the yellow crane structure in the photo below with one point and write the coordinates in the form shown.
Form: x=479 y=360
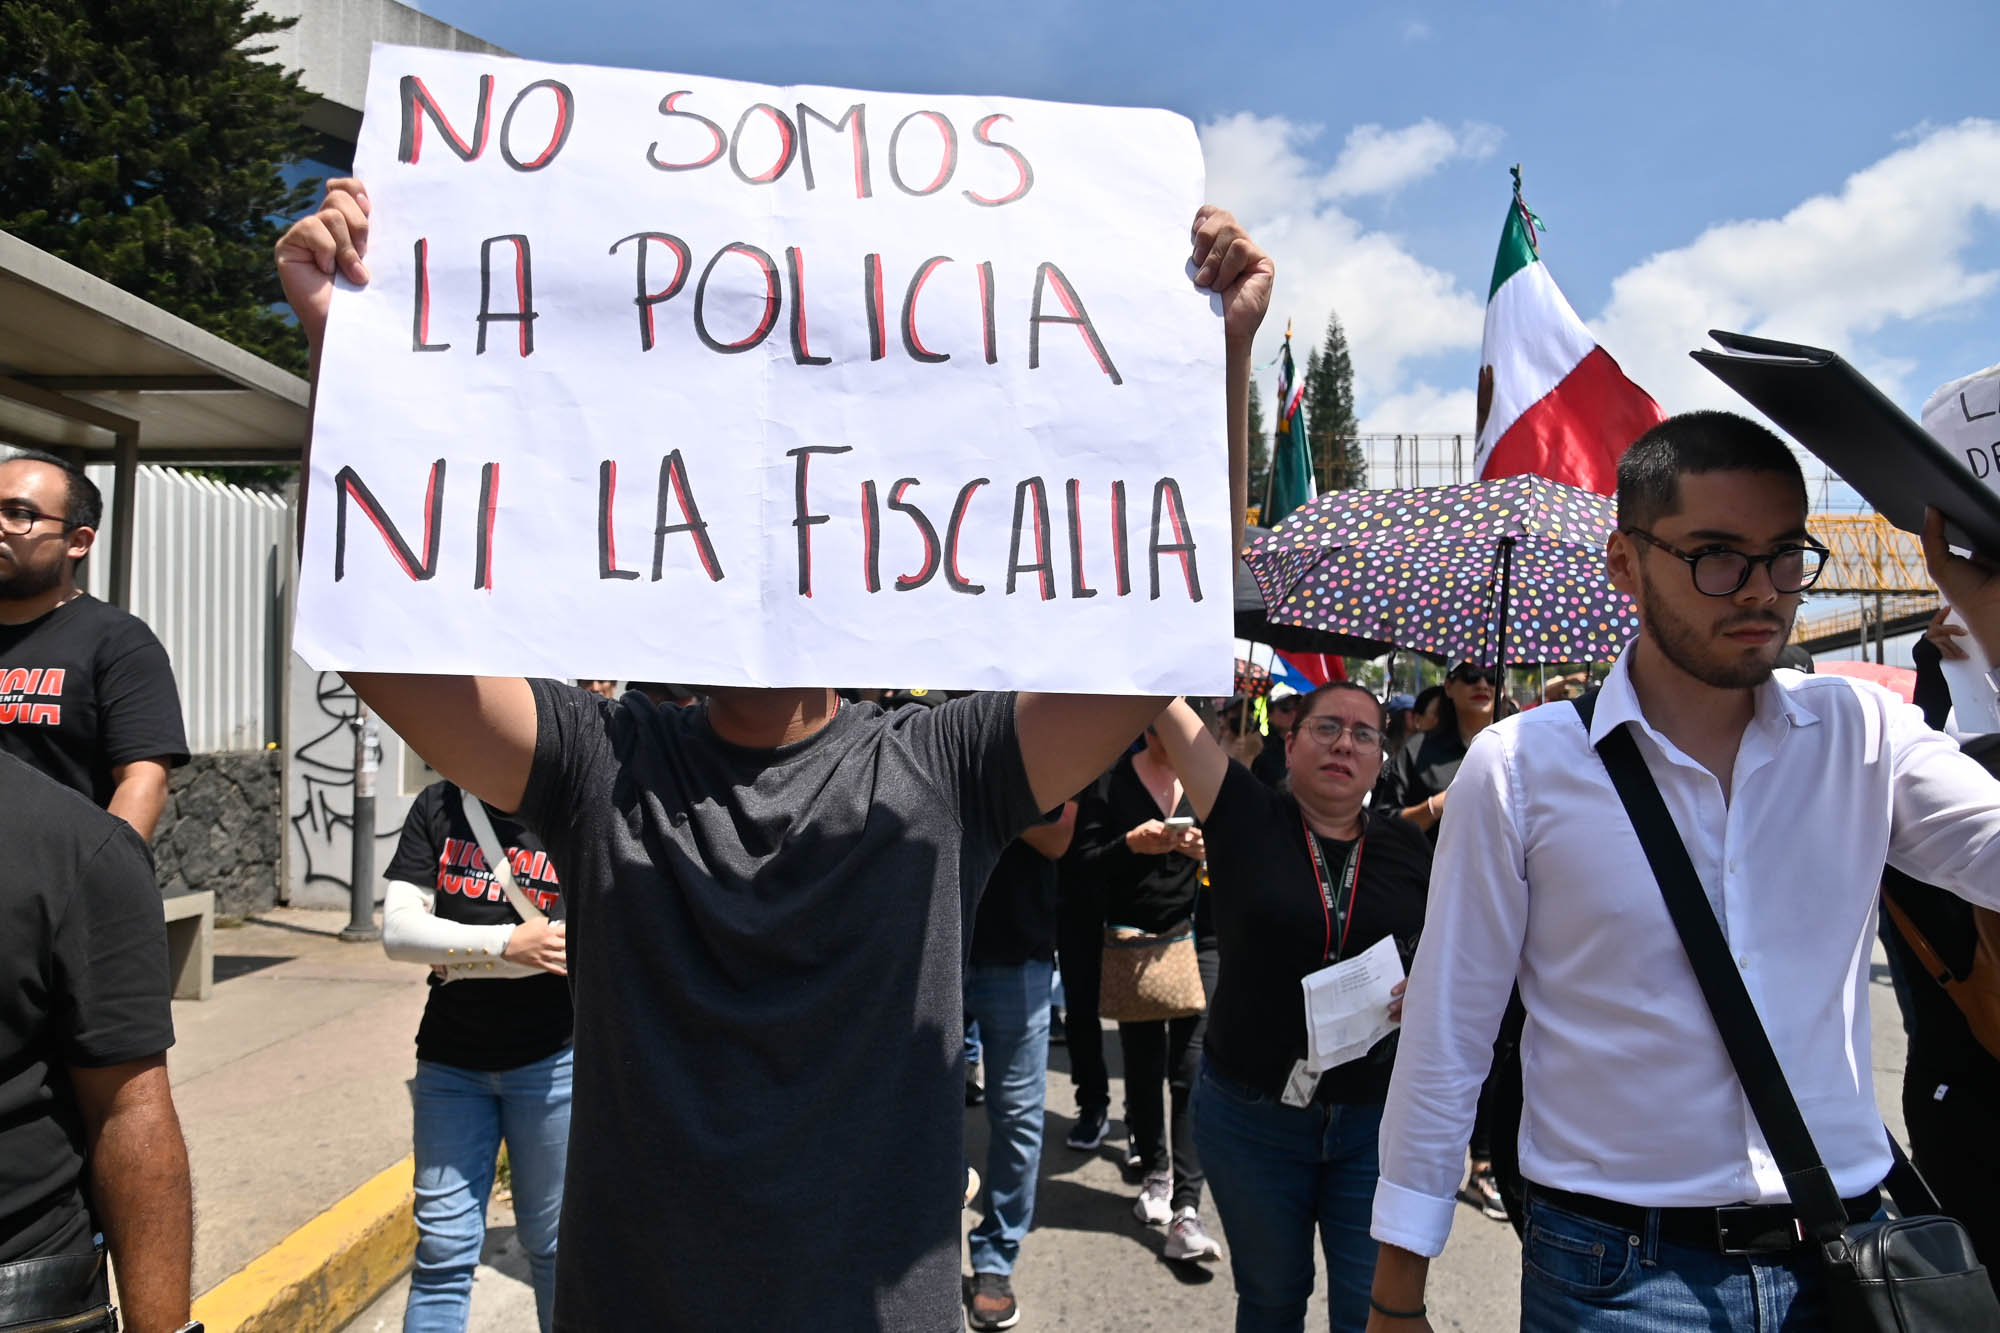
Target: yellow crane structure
x=1877 y=562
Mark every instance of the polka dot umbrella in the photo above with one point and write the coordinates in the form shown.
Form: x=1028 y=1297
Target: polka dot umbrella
x=1253 y=679
x=1501 y=572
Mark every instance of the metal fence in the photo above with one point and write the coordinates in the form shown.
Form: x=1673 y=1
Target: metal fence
x=1397 y=461
x=208 y=575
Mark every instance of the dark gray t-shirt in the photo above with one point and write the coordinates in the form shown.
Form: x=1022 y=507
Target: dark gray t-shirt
x=764 y=945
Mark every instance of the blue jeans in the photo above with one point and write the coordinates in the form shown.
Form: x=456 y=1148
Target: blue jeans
x=1278 y=1173
x=1011 y=1005
x=461 y=1117
x=1587 y=1276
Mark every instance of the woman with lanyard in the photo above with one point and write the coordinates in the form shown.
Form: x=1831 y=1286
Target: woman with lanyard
x=1299 y=880
x=1135 y=832
x=493 y=1049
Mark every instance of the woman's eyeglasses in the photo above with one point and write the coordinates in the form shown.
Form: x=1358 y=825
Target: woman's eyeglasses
x=1327 y=731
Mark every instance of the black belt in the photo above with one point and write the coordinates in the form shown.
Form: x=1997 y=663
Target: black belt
x=56 y=1292
x=1748 y=1228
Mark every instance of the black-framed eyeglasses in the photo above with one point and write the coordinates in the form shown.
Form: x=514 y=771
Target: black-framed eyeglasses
x=1473 y=675
x=15 y=520
x=1328 y=731
x=1719 y=571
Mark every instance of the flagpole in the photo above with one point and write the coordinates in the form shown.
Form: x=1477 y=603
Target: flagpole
x=1271 y=467
x=1500 y=647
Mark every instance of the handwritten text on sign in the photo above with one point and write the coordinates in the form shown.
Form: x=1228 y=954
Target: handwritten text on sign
x=662 y=377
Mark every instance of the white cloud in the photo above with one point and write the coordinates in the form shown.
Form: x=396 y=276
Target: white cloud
x=1379 y=161
x=1416 y=30
x=1421 y=409
x=1394 y=307
x=1889 y=246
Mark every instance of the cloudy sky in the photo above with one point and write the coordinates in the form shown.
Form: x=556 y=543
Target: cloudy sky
x=1828 y=173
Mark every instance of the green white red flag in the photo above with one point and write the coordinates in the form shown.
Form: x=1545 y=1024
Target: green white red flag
x=1551 y=401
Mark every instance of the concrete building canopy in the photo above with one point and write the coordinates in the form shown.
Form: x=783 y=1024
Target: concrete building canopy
x=95 y=373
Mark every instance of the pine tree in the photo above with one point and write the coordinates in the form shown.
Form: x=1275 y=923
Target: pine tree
x=1330 y=419
x=146 y=143
x=1260 y=449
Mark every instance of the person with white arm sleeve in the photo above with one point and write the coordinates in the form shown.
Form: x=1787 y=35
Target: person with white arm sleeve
x=493 y=1049
x=1653 y=1200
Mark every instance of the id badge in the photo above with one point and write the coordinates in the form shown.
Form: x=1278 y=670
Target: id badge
x=1301 y=1086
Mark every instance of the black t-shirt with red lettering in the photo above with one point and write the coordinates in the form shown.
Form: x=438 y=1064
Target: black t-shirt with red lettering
x=476 y=1023
x=84 y=689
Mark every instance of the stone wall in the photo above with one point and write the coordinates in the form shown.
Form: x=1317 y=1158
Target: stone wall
x=220 y=830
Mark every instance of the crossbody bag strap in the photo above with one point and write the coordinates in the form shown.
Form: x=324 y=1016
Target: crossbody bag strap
x=496 y=856
x=1807 y=1181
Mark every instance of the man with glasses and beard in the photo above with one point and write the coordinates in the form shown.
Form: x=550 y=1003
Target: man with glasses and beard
x=1652 y=1198
x=86 y=692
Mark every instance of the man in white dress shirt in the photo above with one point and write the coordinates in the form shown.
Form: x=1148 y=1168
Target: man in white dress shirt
x=1790 y=791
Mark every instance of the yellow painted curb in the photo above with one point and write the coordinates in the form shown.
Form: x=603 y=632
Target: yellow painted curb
x=326 y=1272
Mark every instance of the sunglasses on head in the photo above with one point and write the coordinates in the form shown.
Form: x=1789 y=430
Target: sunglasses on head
x=1472 y=675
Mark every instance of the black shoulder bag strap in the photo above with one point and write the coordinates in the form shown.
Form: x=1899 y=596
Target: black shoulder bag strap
x=1807 y=1180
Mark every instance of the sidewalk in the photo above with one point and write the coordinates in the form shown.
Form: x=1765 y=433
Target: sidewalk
x=292 y=1088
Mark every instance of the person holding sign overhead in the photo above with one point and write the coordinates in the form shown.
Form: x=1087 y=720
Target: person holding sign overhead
x=1299 y=880
x=765 y=897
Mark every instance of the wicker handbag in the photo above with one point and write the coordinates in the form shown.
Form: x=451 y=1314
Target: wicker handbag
x=1148 y=976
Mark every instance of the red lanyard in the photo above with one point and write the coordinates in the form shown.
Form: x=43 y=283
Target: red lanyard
x=1350 y=879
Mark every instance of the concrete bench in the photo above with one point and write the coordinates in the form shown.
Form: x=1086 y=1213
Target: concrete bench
x=191 y=944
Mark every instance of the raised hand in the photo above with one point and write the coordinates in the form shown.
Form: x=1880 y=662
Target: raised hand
x=312 y=249
x=1972 y=588
x=1945 y=637
x=1229 y=263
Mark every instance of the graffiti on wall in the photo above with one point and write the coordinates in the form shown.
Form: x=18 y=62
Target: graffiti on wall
x=322 y=787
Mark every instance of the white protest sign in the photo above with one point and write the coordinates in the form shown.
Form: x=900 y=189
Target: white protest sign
x=1965 y=416
x=672 y=378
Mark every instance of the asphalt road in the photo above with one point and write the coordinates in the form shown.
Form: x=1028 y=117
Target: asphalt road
x=1090 y=1267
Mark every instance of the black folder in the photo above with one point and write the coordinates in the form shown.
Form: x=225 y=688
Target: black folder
x=1830 y=407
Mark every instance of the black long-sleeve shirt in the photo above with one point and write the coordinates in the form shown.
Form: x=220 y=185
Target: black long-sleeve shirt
x=1150 y=892
x=1942 y=1047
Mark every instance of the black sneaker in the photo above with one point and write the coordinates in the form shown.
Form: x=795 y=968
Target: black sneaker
x=989 y=1302
x=1088 y=1131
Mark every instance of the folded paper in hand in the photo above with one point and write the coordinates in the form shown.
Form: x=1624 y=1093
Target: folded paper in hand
x=1347 y=1005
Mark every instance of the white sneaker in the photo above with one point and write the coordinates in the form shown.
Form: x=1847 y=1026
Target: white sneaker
x=1155 y=1203
x=971 y=1187
x=1187 y=1238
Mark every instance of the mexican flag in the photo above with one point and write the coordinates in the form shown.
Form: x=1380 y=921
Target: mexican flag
x=1551 y=401
x=1291 y=484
